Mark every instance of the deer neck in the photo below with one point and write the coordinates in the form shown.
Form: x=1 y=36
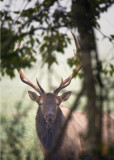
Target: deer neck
x=48 y=133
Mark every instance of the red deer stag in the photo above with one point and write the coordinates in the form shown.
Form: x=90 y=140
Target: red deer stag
x=51 y=116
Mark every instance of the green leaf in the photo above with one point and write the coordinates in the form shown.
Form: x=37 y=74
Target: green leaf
x=42 y=48
x=111 y=66
x=112 y=36
x=111 y=72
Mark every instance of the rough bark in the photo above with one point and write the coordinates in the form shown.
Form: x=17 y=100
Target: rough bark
x=82 y=13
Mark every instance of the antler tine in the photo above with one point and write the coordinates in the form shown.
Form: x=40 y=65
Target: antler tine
x=75 y=40
x=40 y=87
x=79 y=66
x=56 y=91
x=67 y=81
x=62 y=86
x=27 y=81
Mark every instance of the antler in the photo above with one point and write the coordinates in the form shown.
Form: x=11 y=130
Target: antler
x=66 y=82
x=38 y=88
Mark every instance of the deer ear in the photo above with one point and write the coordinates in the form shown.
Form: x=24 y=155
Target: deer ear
x=33 y=96
x=65 y=96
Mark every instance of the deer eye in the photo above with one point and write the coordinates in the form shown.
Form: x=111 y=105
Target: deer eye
x=40 y=104
x=58 y=104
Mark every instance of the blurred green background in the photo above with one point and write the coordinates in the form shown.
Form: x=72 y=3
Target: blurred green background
x=18 y=112
x=18 y=134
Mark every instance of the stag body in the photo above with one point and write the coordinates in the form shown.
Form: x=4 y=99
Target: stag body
x=49 y=120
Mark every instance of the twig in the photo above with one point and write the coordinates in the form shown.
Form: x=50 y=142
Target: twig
x=104 y=36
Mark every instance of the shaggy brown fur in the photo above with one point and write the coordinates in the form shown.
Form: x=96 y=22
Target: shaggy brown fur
x=72 y=143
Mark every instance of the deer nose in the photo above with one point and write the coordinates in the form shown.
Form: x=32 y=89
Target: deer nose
x=49 y=117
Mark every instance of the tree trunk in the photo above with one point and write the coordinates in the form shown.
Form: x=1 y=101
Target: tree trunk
x=83 y=19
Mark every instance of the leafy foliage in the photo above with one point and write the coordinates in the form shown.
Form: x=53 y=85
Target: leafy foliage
x=109 y=71
x=13 y=135
x=47 y=18
x=53 y=43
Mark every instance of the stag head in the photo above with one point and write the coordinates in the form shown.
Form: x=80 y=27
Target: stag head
x=49 y=104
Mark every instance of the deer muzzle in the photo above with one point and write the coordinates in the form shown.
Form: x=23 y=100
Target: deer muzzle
x=50 y=118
